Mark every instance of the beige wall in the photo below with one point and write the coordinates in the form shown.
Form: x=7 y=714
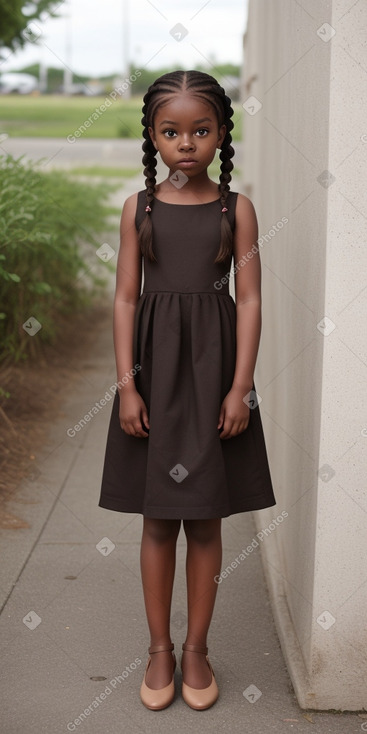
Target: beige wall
x=313 y=386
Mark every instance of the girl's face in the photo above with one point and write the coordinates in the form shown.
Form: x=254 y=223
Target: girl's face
x=186 y=134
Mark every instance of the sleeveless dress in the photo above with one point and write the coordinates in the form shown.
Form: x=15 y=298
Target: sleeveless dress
x=185 y=347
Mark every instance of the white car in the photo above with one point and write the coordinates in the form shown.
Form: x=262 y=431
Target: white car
x=21 y=83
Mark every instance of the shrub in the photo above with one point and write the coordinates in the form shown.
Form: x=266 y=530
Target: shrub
x=47 y=225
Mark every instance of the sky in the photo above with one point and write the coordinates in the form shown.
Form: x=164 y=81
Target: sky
x=96 y=38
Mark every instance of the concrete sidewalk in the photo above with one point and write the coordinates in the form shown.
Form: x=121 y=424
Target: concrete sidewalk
x=73 y=632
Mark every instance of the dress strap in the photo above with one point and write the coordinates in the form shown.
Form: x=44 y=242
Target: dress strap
x=140 y=208
x=231 y=204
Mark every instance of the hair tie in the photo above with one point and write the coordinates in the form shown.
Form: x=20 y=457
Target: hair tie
x=148 y=209
x=224 y=209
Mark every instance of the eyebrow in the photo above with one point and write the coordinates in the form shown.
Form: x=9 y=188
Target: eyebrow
x=196 y=122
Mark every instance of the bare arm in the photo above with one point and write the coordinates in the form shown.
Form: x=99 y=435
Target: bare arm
x=248 y=295
x=235 y=414
x=128 y=283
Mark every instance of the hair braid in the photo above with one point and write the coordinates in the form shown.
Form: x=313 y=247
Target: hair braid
x=226 y=153
x=205 y=87
x=150 y=172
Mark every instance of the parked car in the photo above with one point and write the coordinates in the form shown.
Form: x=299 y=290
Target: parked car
x=17 y=83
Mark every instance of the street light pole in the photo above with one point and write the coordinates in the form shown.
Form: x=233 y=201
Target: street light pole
x=68 y=74
x=125 y=46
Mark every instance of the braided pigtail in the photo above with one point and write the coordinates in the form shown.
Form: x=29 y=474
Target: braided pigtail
x=149 y=162
x=226 y=153
x=204 y=87
x=207 y=88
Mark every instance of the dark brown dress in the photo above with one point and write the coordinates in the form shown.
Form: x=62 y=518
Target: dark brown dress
x=185 y=343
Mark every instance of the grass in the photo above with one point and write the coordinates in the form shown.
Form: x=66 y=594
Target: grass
x=56 y=116
x=53 y=116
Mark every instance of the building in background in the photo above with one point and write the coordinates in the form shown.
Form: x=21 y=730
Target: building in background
x=305 y=156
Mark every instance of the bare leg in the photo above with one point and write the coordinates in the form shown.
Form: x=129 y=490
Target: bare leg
x=203 y=562
x=158 y=561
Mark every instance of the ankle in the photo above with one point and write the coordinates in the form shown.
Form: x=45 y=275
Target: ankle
x=195 y=645
x=161 y=645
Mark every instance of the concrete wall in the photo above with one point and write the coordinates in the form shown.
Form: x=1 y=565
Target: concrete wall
x=305 y=157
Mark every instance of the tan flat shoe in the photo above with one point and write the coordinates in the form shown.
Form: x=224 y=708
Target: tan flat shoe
x=200 y=698
x=159 y=699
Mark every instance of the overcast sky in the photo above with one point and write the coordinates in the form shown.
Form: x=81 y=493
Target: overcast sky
x=212 y=30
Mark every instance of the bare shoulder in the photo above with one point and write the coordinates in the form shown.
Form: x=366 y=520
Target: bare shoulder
x=245 y=208
x=128 y=213
x=130 y=204
x=246 y=225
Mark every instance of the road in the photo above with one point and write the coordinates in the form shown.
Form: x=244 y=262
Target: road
x=59 y=153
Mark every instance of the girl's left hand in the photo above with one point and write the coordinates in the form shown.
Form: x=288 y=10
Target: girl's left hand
x=234 y=414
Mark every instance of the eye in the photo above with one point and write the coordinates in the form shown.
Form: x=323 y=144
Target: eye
x=169 y=133
x=202 y=132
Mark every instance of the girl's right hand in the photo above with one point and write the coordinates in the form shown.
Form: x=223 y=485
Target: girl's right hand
x=133 y=414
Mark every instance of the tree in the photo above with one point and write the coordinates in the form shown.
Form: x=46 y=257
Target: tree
x=16 y=17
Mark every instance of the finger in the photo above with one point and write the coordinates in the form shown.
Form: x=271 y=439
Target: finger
x=221 y=418
x=227 y=426
x=139 y=431
x=233 y=428
x=134 y=429
x=145 y=417
x=238 y=427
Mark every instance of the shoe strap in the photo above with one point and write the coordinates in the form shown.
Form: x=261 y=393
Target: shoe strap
x=195 y=648
x=160 y=648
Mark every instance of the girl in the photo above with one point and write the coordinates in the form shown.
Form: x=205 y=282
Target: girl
x=185 y=440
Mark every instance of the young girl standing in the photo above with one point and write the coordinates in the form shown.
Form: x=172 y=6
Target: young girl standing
x=183 y=443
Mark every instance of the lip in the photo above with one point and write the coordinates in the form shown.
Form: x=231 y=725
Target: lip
x=187 y=162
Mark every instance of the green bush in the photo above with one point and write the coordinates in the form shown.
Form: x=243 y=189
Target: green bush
x=47 y=225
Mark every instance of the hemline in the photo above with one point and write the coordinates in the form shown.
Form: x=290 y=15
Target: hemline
x=176 y=513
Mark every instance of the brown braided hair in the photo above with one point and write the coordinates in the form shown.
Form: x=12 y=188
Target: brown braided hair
x=207 y=88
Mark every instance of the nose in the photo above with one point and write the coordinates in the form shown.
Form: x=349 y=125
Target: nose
x=186 y=143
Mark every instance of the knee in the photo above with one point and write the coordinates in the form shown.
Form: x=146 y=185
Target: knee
x=203 y=532
x=161 y=531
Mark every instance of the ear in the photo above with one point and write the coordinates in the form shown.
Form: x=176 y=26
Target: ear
x=221 y=135
x=152 y=137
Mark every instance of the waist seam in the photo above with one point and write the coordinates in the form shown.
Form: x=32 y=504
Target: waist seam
x=189 y=293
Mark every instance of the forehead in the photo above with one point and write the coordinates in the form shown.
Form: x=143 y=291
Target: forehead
x=184 y=108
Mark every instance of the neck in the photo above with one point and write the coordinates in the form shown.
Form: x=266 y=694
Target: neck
x=193 y=186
